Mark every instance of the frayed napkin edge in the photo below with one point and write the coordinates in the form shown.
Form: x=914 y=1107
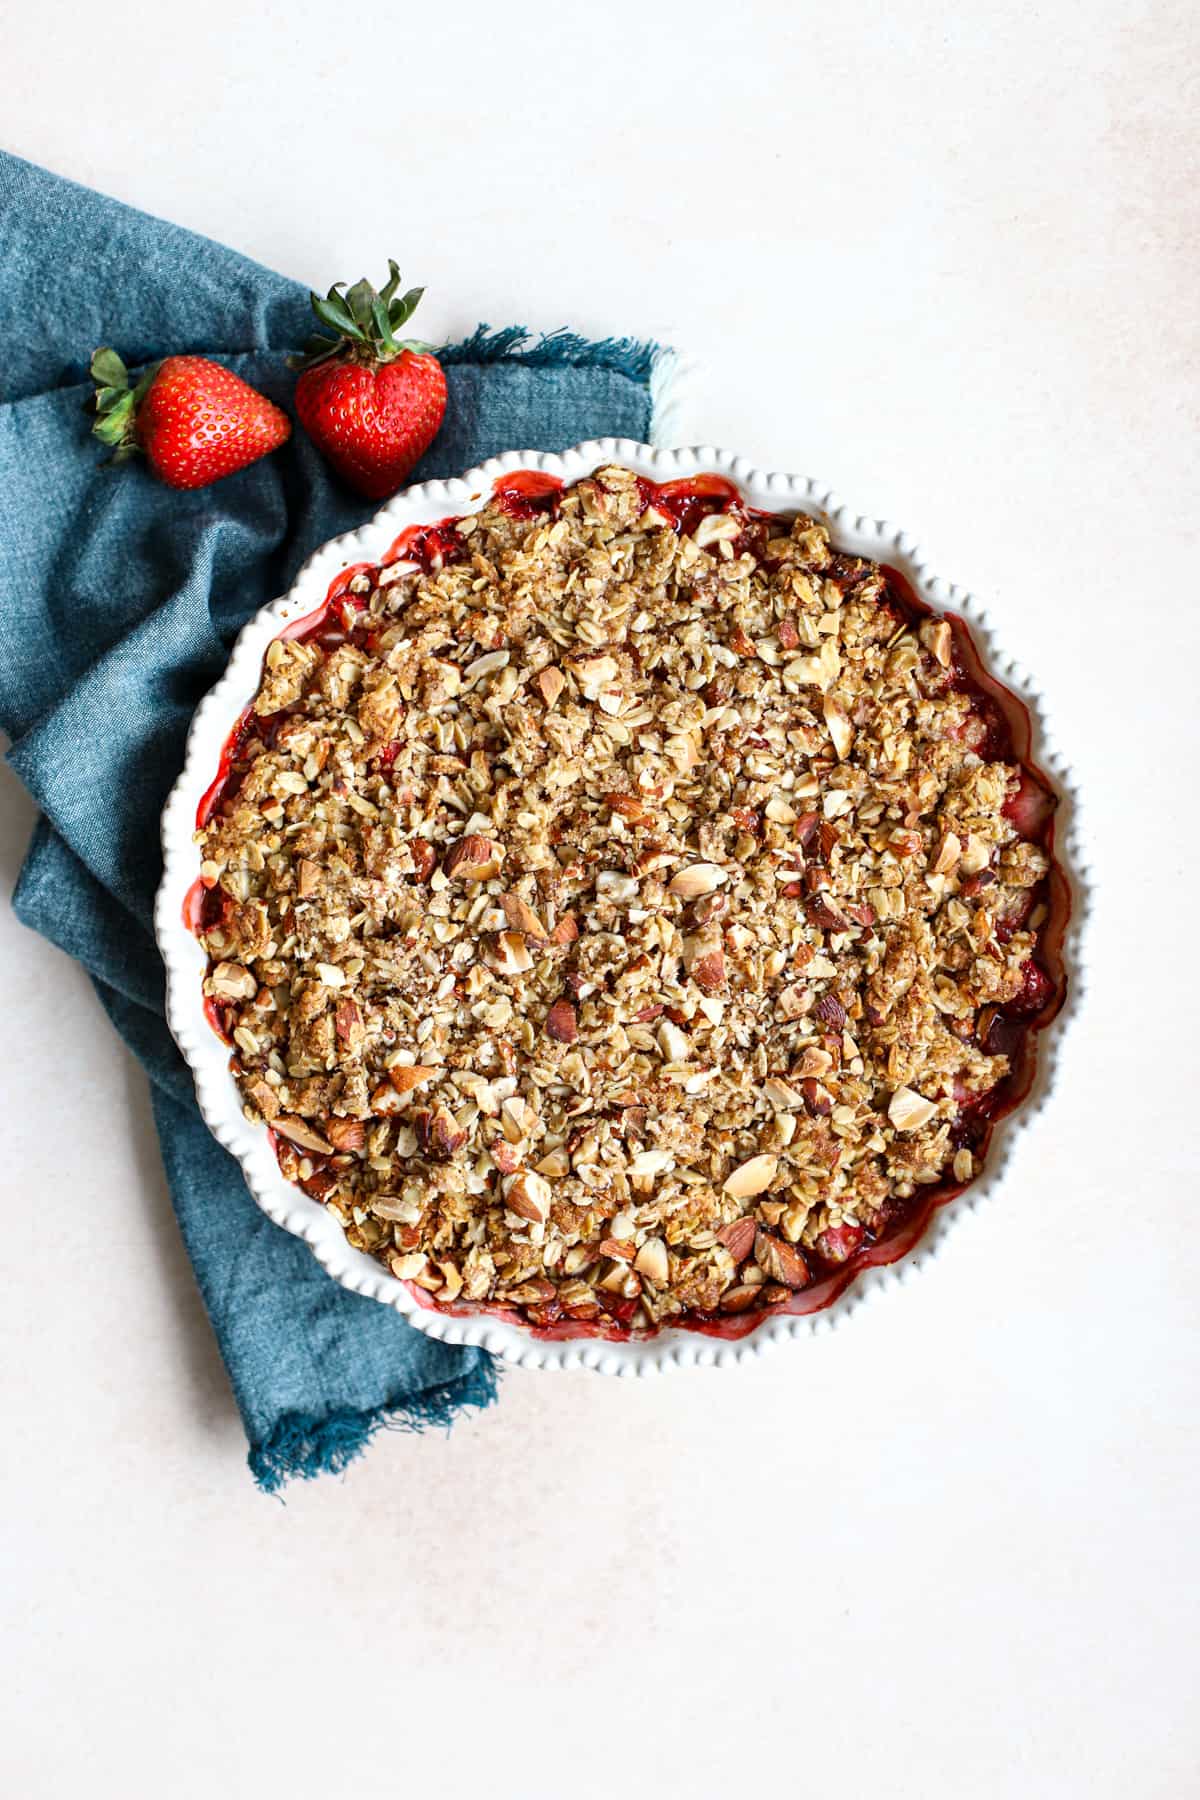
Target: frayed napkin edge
x=302 y=1447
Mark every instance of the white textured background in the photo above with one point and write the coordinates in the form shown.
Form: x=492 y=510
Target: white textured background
x=945 y=257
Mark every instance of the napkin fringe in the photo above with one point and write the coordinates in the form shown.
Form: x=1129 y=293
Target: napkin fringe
x=634 y=357
x=302 y=1447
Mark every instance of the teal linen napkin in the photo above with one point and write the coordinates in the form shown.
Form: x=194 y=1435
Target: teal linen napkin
x=119 y=600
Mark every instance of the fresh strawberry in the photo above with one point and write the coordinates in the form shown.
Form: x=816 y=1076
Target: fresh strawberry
x=195 y=421
x=371 y=402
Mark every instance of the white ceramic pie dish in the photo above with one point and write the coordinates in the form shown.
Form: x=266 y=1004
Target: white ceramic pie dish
x=185 y=960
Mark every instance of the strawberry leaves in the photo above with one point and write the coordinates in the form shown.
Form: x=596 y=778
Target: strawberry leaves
x=108 y=370
x=115 y=403
x=364 y=322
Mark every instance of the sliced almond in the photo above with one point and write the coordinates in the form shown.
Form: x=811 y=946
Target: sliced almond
x=627 y=805
x=703 y=956
x=794 y=1001
x=424 y=857
x=490 y=663
x=404 y=1077
x=395 y=1209
x=649 y=1162
x=385 y=1100
x=551 y=683
x=820 y=671
x=837 y=723
x=948 y=852
x=716 y=528
x=517 y=1118
x=751 y=1177
x=977 y=854
x=909 y=1110
x=298 y=1132
x=264 y=1097
x=818 y=1100
x=452 y=1282
x=512 y=955
x=556 y=1163
x=821 y=912
x=348 y=1024
x=938 y=639
x=409 y=1266
x=699 y=878
x=612 y=884
x=741 y=1299
x=620 y=1280
x=507 y=1157
x=675 y=1044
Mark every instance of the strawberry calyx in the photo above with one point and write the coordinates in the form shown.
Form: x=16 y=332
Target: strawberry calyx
x=364 y=322
x=116 y=403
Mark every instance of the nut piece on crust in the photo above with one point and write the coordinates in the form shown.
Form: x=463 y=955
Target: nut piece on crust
x=562 y=1023
x=521 y=916
x=700 y=878
x=908 y=1111
x=779 y=1261
x=474 y=858
x=751 y=1177
x=528 y=1195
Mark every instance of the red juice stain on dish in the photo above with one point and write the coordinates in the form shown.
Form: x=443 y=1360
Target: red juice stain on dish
x=250 y=726
x=216 y=1018
x=193 y=906
x=1005 y=737
x=430 y=547
x=684 y=503
x=527 y=493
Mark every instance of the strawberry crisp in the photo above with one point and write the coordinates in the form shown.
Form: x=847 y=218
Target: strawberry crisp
x=627 y=909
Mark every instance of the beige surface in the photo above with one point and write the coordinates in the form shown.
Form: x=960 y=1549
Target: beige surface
x=951 y=1550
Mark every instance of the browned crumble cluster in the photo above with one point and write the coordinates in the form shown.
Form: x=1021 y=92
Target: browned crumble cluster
x=608 y=921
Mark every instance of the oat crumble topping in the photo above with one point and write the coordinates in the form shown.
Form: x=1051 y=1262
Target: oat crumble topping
x=625 y=916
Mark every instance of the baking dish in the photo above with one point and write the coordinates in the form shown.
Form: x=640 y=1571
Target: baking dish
x=185 y=961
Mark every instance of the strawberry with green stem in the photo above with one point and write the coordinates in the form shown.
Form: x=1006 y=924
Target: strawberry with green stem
x=194 y=420
x=372 y=402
